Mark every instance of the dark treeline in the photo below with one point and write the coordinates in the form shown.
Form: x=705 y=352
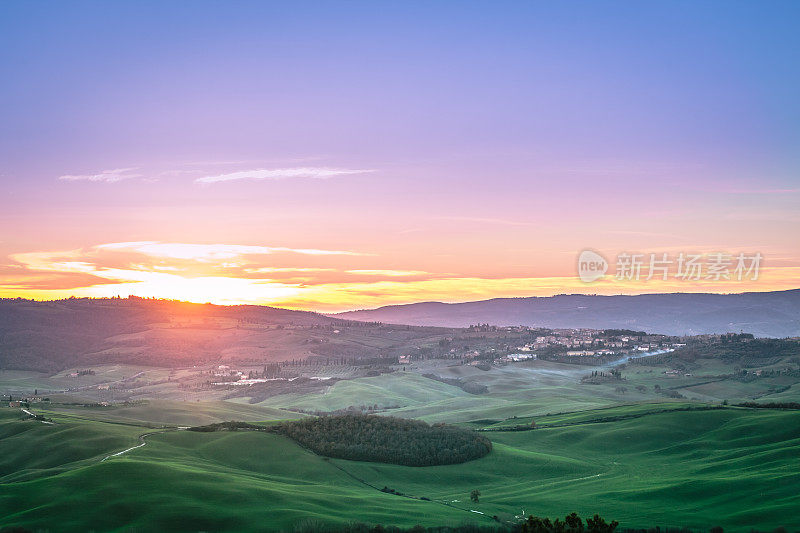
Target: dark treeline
x=533 y=524
x=771 y=405
x=387 y=440
x=571 y=524
x=380 y=439
x=741 y=349
x=228 y=426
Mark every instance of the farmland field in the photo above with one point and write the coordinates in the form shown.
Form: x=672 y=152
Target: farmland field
x=732 y=467
x=660 y=442
x=399 y=266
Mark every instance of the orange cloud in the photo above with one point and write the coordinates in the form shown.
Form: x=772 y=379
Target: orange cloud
x=244 y=274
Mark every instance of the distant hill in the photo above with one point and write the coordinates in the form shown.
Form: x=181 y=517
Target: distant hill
x=60 y=334
x=764 y=314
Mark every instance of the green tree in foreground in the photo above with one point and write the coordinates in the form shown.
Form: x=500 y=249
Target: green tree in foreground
x=475 y=495
x=571 y=524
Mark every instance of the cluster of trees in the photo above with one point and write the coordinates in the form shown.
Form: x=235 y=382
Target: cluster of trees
x=572 y=523
x=599 y=525
x=741 y=349
x=387 y=440
x=598 y=376
x=228 y=426
x=375 y=438
x=771 y=405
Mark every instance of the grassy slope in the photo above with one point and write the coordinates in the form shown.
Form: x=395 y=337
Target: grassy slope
x=30 y=449
x=386 y=390
x=602 y=414
x=705 y=381
x=219 y=482
x=732 y=467
x=512 y=391
x=166 y=412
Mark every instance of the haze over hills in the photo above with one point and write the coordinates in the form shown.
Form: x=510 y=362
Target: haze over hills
x=52 y=336
x=57 y=334
x=766 y=314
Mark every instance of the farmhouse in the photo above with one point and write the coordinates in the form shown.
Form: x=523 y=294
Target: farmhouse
x=516 y=357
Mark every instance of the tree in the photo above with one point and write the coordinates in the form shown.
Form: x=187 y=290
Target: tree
x=598 y=525
x=475 y=495
x=574 y=522
x=571 y=524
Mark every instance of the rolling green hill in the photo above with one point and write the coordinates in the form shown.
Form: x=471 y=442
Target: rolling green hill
x=731 y=467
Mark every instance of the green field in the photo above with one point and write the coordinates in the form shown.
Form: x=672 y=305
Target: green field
x=653 y=466
x=654 y=448
x=513 y=390
x=155 y=413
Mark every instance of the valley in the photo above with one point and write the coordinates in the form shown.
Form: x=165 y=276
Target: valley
x=645 y=429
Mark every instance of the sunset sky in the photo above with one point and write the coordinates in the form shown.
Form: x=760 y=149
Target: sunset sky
x=342 y=155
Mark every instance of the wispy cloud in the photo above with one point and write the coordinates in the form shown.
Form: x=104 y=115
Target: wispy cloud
x=108 y=176
x=280 y=174
x=211 y=252
x=282 y=270
x=189 y=271
x=388 y=273
x=199 y=273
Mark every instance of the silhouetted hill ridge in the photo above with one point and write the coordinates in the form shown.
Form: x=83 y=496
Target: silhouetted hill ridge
x=766 y=314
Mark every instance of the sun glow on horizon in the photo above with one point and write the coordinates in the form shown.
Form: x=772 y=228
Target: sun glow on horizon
x=229 y=274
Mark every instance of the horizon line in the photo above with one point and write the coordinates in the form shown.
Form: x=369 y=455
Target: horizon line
x=160 y=299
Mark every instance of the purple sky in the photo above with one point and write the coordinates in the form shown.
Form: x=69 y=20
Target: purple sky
x=456 y=149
